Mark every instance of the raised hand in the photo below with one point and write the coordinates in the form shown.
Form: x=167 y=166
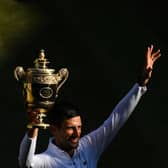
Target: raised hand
x=150 y=59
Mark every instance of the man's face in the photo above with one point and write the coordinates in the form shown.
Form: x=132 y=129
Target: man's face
x=68 y=134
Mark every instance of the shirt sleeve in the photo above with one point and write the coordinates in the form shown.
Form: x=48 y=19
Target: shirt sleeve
x=27 y=150
x=95 y=142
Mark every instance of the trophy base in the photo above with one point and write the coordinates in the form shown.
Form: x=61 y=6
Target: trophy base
x=39 y=125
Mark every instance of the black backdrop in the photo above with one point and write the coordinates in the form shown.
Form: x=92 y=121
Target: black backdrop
x=102 y=43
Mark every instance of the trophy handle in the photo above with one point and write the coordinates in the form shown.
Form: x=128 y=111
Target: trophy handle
x=63 y=76
x=19 y=72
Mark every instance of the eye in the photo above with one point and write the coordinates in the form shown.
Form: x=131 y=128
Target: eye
x=69 y=128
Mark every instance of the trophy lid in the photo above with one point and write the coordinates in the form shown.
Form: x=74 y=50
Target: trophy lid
x=40 y=65
x=40 y=73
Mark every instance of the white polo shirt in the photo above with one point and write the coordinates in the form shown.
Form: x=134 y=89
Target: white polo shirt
x=90 y=146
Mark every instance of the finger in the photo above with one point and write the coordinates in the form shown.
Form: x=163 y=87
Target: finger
x=156 y=57
x=148 y=53
x=34 y=118
x=32 y=112
x=156 y=53
x=151 y=48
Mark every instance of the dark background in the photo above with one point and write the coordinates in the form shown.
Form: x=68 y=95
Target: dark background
x=103 y=44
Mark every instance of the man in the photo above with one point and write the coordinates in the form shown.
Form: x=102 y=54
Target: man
x=67 y=149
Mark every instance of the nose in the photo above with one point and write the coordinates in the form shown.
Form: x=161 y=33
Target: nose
x=77 y=132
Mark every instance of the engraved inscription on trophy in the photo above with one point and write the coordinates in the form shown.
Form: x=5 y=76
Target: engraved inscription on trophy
x=40 y=86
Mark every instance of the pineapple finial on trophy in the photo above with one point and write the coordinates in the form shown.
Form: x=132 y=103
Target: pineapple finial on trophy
x=41 y=61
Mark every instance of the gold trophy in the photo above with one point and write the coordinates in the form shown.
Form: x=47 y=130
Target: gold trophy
x=40 y=87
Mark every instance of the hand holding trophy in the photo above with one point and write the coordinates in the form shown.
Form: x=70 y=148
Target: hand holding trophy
x=40 y=87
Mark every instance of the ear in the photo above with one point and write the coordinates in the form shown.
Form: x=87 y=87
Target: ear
x=53 y=129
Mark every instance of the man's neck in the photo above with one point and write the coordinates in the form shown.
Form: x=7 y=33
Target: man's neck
x=70 y=152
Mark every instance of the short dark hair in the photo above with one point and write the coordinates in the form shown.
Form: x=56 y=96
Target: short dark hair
x=62 y=111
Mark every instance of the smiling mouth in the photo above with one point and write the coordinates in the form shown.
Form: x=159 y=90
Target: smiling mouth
x=74 y=140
